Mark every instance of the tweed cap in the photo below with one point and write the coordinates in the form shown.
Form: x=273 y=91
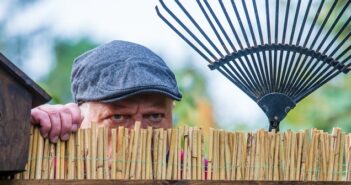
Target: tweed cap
x=120 y=69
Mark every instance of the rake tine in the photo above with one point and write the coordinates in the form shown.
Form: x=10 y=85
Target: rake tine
x=219 y=25
x=343 y=53
x=332 y=72
x=245 y=37
x=337 y=35
x=253 y=80
x=317 y=72
x=314 y=23
x=235 y=76
x=301 y=80
x=323 y=24
x=298 y=71
x=340 y=44
x=275 y=52
x=233 y=81
x=292 y=34
x=265 y=71
x=295 y=22
x=292 y=72
x=185 y=39
x=226 y=36
x=234 y=31
x=258 y=73
x=269 y=42
x=326 y=78
x=231 y=24
x=249 y=23
x=199 y=28
x=249 y=86
x=212 y=26
x=243 y=74
x=348 y=64
x=281 y=74
x=332 y=27
x=240 y=23
x=319 y=78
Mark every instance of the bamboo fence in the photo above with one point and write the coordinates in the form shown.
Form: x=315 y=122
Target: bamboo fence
x=178 y=154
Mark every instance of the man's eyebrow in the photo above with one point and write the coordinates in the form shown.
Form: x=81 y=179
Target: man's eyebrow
x=158 y=104
x=119 y=105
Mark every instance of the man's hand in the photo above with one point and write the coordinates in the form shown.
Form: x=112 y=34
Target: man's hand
x=57 y=121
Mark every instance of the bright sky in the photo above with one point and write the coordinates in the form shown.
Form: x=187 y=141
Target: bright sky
x=136 y=21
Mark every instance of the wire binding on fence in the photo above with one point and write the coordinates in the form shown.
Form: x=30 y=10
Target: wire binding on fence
x=183 y=154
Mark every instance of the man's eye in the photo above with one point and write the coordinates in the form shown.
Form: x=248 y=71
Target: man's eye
x=119 y=118
x=155 y=117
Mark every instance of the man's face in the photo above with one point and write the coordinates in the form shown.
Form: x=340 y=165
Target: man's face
x=151 y=109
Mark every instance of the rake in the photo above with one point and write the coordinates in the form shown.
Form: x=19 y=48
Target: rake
x=276 y=51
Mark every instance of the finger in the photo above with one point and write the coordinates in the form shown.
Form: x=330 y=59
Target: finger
x=54 y=115
x=66 y=123
x=76 y=116
x=39 y=117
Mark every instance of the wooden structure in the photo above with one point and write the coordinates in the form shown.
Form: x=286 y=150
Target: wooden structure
x=18 y=94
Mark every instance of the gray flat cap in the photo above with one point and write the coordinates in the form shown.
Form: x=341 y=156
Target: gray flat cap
x=120 y=69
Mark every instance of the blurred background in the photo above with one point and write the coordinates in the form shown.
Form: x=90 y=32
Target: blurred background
x=43 y=37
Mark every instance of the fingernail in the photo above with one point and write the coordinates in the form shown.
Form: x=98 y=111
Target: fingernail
x=45 y=135
x=55 y=139
x=65 y=137
x=74 y=128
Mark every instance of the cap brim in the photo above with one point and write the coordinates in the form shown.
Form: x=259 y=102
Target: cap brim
x=129 y=94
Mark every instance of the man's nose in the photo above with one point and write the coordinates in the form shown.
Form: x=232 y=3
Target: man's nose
x=139 y=117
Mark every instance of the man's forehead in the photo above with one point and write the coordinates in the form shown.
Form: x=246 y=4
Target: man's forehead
x=150 y=100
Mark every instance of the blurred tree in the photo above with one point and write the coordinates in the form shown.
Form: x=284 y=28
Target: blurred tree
x=58 y=83
x=16 y=46
x=195 y=109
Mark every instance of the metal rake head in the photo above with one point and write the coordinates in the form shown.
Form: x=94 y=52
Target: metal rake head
x=276 y=51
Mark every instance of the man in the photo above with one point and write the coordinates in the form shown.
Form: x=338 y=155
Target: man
x=115 y=84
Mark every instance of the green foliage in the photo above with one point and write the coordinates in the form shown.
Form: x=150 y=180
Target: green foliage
x=192 y=85
x=57 y=83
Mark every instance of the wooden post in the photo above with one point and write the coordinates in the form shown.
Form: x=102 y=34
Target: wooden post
x=164 y=152
x=46 y=159
x=93 y=157
x=234 y=156
x=58 y=160
x=100 y=154
x=52 y=161
x=88 y=152
x=210 y=155
x=26 y=174
x=129 y=139
x=71 y=157
x=34 y=154
x=63 y=160
x=170 y=164
x=80 y=153
x=199 y=154
x=160 y=154
x=121 y=153
x=227 y=156
x=148 y=154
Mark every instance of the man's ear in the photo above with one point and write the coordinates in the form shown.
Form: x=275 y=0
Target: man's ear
x=173 y=104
